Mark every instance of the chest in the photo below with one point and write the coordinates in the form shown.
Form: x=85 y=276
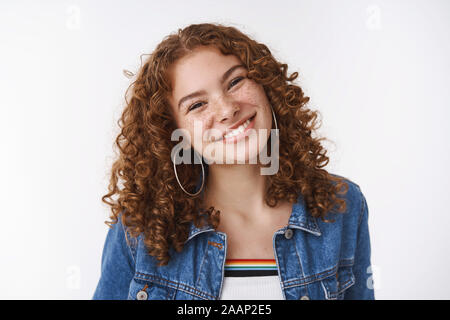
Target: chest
x=250 y=244
x=253 y=241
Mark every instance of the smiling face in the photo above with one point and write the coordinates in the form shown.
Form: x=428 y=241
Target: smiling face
x=220 y=108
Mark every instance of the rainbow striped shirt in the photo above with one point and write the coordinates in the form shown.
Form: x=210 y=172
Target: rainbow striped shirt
x=250 y=267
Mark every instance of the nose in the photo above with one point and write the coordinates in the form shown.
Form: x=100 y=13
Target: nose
x=227 y=112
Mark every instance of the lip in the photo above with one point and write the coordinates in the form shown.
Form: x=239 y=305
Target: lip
x=242 y=134
x=234 y=126
x=237 y=124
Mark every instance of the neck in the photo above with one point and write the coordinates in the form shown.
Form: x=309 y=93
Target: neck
x=235 y=189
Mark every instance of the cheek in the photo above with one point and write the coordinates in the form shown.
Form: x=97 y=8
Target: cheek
x=254 y=94
x=196 y=128
x=251 y=93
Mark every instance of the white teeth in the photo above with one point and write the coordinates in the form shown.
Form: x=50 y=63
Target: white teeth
x=238 y=130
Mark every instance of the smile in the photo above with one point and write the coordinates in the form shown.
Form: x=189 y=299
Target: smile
x=239 y=132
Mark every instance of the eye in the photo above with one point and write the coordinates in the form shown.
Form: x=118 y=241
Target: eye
x=232 y=84
x=192 y=107
x=235 y=81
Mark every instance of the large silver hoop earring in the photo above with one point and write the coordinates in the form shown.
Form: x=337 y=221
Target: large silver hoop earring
x=179 y=183
x=274 y=119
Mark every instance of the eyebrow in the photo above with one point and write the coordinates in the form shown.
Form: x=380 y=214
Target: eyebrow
x=222 y=80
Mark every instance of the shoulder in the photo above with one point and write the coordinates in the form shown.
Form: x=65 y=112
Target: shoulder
x=355 y=208
x=120 y=239
x=355 y=199
x=348 y=226
x=117 y=264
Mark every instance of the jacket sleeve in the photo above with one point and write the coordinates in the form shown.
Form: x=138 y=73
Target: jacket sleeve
x=117 y=266
x=362 y=269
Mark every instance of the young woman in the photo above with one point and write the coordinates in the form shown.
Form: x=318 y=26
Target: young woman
x=231 y=222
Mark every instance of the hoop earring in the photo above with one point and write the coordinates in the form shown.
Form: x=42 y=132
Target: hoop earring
x=274 y=119
x=179 y=183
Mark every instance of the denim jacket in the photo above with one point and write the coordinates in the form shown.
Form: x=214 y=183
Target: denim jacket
x=315 y=260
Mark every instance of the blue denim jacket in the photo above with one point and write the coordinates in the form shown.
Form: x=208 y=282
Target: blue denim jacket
x=316 y=260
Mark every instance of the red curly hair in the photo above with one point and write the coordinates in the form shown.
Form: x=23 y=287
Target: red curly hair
x=151 y=202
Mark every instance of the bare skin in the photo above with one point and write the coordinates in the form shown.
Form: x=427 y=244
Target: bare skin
x=237 y=190
x=250 y=228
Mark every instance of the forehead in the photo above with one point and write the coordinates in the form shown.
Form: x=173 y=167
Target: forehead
x=200 y=60
x=194 y=71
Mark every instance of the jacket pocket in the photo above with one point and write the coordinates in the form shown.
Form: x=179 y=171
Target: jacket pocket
x=157 y=287
x=335 y=285
x=143 y=289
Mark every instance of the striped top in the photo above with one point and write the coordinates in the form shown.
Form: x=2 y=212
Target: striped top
x=250 y=267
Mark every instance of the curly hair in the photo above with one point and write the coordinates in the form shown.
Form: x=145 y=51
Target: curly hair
x=151 y=203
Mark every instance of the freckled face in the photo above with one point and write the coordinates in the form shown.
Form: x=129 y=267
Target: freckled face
x=226 y=102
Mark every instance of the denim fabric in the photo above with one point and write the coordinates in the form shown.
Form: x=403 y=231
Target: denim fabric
x=319 y=261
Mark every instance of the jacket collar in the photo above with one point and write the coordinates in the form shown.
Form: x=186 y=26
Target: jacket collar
x=300 y=219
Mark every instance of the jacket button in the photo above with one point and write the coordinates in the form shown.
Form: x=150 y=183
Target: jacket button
x=142 y=295
x=288 y=233
x=304 y=298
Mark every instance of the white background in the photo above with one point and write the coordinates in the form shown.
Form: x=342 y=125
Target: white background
x=378 y=72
